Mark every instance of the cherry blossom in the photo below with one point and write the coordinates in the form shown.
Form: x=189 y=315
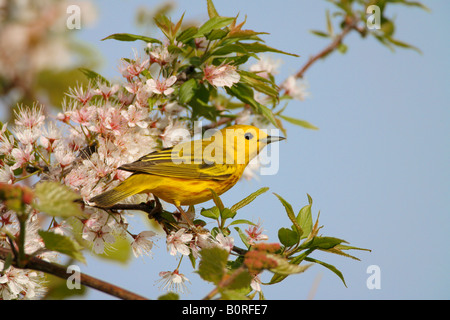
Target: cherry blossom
x=160 y=55
x=265 y=66
x=255 y=284
x=295 y=88
x=136 y=116
x=22 y=155
x=141 y=245
x=6 y=174
x=64 y=156
x=105 y=90
x=174 y=133
x=83 y=95
x=133 y=68
x=173 y=281
x=16 y=283
x=27 y=136
x=176 y=242
x=221 y=76
x=226 y=243
x=99 y=235
x=29 y=117
x=255 y=234
x=161 y=87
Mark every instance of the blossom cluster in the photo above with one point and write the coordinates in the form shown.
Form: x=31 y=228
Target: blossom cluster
x=18 y=283
x=100 y=127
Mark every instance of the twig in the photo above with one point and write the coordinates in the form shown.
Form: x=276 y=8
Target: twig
x=143 y=206
x=349 y=26
x=223 y=120
x=37 y=264
x=153 y=208
x=239 y=251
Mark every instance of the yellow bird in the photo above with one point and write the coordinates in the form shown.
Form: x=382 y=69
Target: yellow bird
x=183 y=174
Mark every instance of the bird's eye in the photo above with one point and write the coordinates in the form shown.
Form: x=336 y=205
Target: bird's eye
x=248 y=136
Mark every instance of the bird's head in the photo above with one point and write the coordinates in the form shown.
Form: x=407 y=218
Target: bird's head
x=244 y=142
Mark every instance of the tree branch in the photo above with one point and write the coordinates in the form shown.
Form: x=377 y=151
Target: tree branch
x=350 y=24
x=61 y=272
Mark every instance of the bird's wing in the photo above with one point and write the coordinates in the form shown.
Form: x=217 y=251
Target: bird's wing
x=178 y=164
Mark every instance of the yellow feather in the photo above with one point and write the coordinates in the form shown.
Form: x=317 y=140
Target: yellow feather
x=183 y=175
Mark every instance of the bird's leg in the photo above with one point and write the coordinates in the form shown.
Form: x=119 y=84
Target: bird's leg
x=185 y=216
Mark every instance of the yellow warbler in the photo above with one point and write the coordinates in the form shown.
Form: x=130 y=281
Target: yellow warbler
x=183 y=174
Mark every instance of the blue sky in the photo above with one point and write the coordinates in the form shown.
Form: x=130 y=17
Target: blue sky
x=378 y=168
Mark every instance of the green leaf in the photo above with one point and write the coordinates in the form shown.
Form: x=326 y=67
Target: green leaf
x=217 y=200
x=387 y=27
x=304 y=219
x=342 y=48
x=325 y=243
x=54 y=83
x=169 y=296
x=241 y=221
x=242 y=236
x=284 y=268
x=290 y=213
x=329 y=24
x=267 y=113
x=346 y=247
x=217 y=34
x=233 y=295
x=383 y=41
x=212 y=12
x=328 y=266
x=187 y=34
x=415 y=4
x=227 y=213
x=213 y=23
x=259 y=83
x=187 y=91
x=288 y=237
x=7 y=263
x=245 y=35
x=236 y=60
x=191 y=256
x=245 y=93
x=309 y=199
x=320 y=33
x=94 y=76
x=212 y=264
x=338 y=250
x=213 y=213
x=56 y=199
x=258 y=47
x=57 y=288
x=164 y=24
x=402 y=44
x=131 y=37
x=229 y=48
x=119 y=251
x=298 y=122
x=240 y=281
x=248 y=199
x=62 y=244
x=295 y=261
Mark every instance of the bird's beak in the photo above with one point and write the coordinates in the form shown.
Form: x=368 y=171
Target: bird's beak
x=270 y=139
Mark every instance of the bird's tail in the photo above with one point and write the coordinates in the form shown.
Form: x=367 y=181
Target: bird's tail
x=124 y=190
